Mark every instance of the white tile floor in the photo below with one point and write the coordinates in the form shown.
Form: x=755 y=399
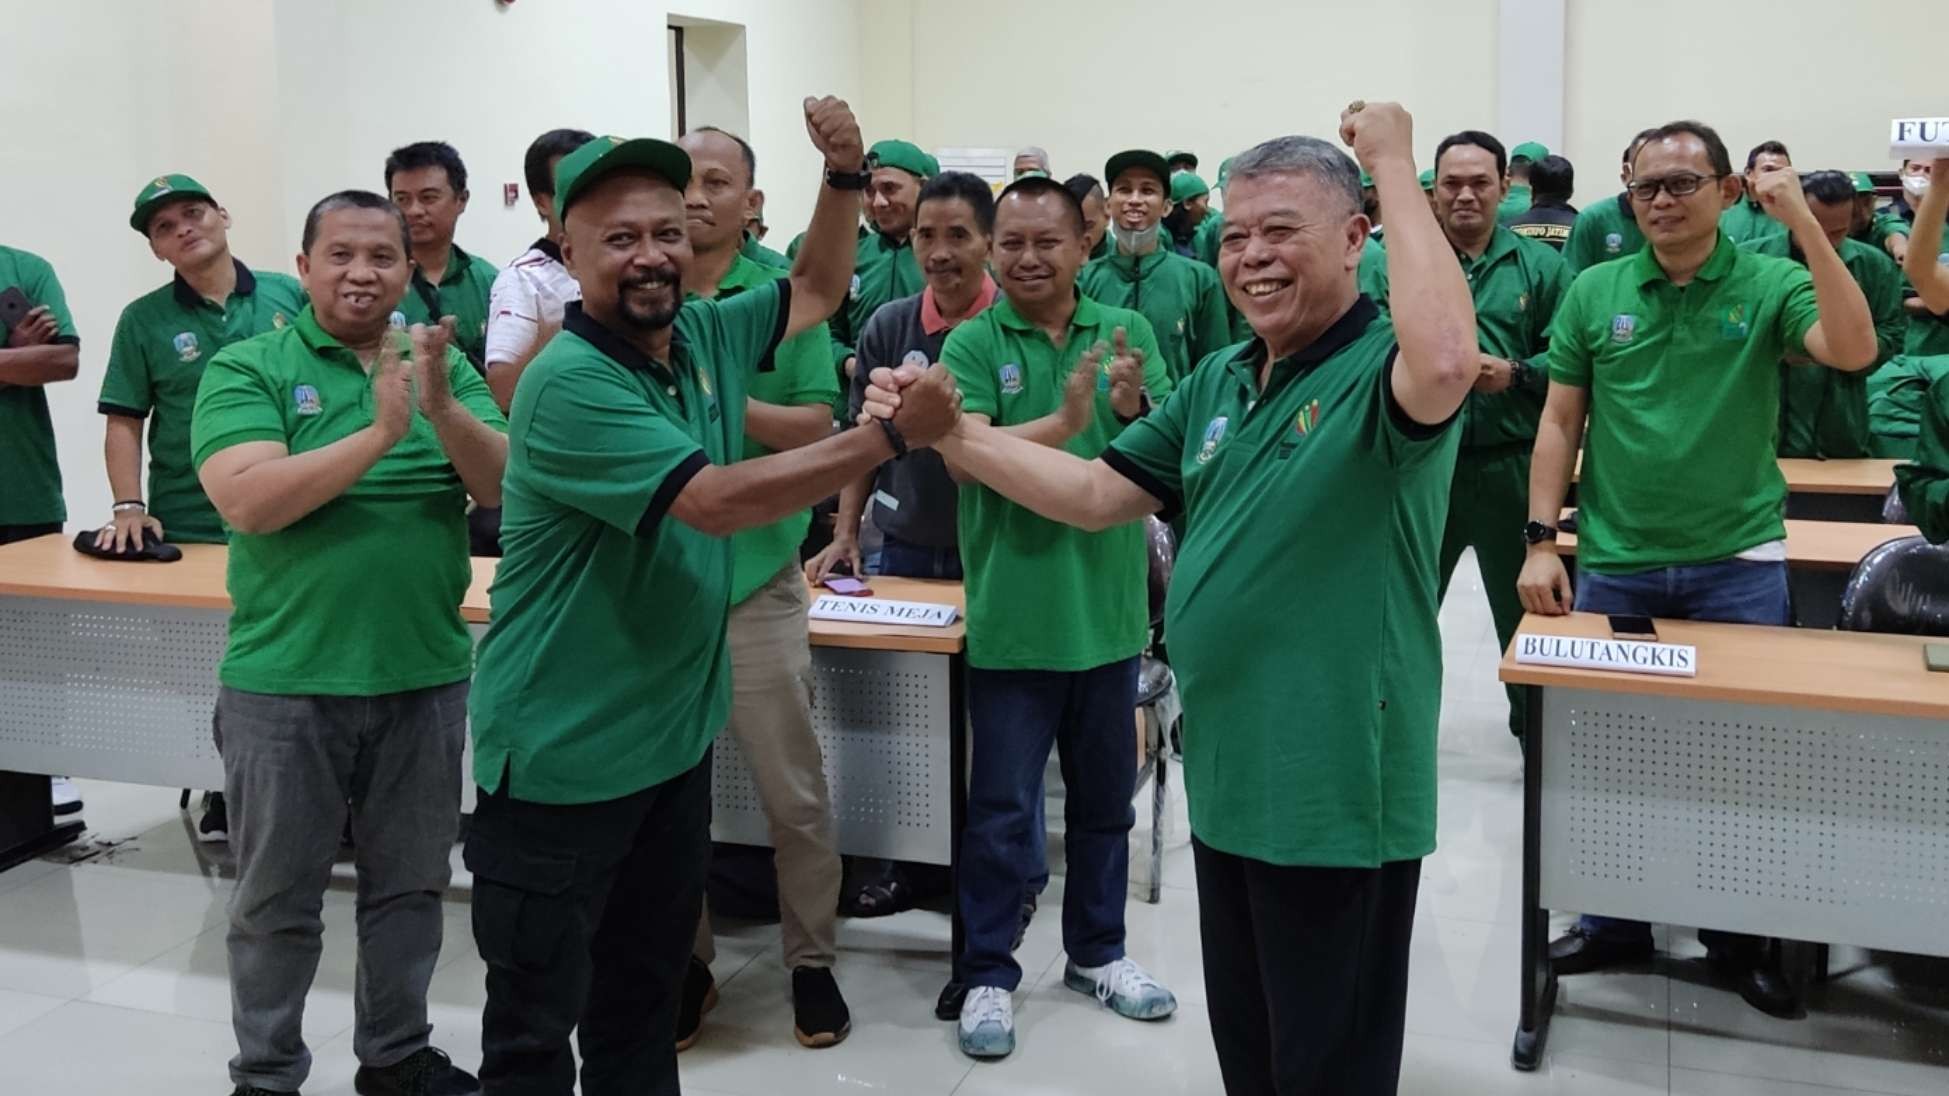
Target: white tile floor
x=112 y=977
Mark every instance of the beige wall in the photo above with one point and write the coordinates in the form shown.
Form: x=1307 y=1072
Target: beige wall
x=1823 y=77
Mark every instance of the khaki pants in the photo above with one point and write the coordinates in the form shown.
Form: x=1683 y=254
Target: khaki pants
x=771 y=719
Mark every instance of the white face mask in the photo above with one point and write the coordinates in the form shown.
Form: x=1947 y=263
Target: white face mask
x=1916 y=186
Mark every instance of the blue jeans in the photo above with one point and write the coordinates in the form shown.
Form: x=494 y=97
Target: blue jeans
x=1016 y=715
x=901 y=559
x=1732 y=591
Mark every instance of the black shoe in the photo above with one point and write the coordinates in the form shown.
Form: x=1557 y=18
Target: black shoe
x=425 y=1072
x=253 y=1090
x=214 y=827
x=700 y=996
x=1029 y=904
x=891 y=893
x=819 y=1014
x=1759 y=984
x=1576 y=952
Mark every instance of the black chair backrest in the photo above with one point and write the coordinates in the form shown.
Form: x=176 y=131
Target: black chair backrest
x=1893 y=510
x=1161 y=551
x=1900 y=587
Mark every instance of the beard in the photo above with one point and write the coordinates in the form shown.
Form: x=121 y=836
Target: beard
x=648 y=317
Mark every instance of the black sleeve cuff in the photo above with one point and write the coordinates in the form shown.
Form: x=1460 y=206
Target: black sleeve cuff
x=119 y=411
x=667 y=492
x=65 y=340
x=768 y=360
x=1167 y=499
x=1404 y=422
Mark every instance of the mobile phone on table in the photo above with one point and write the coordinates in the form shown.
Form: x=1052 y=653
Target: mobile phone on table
x=847 y=587
x=1631 y=626
x=14 y=307
x=1936 y=657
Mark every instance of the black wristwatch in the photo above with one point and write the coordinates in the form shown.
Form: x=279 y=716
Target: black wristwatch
x=1536 y=532
x=1519 y=374
x=848 y=180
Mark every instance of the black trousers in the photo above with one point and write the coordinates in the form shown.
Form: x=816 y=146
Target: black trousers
x=1306 y=973
x=585 y=915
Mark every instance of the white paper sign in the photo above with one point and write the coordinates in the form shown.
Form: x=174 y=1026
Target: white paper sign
x=1623 y=655
x=1909 y=136
x=876 y=610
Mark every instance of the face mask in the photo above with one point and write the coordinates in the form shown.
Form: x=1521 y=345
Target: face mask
x=1136 y=243
x=1916 y=186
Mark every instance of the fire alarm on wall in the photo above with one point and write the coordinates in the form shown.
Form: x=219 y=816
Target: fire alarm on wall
x=510 y=192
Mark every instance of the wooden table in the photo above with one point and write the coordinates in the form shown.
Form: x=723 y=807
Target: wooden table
x=1794 y=788
x=1832 y=490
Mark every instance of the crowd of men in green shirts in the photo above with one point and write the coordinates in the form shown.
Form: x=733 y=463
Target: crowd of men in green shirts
x=673 y=427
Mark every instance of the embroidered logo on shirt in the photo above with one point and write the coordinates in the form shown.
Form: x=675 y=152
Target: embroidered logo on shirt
x=186 y=348
x=1214 y=433
x=1011 y=377
x=704 y=383
x=278 y=321
x=305 y=398
x=1307 y=419
x=397 y=320
x=1624 y=328
x=916 y=358
x=1734 y=327
x=1522 y=302
x=1614 y=242
x=854 y=292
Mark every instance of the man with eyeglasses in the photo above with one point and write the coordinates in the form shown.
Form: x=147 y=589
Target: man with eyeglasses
x=1609 y=229
x=1674 y=358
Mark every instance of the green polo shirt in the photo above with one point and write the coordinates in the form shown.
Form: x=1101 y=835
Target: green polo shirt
x=801 y=375
x=883 y=270
x=1924 y=484
x=1179 y=296
x=1928 y=334
x=757 y=252
x=1824 y=412
x=1684 y=387
x=1896 y=393
x=163 y=341
x=1604 y=231
x=360 y=597
x=1517 y=284
x=605 y=670
x=1514 y=204
x=1747 y=221
x=30 y=470
x=462 y=293
x=1373 y=269
x=1302 y=611
x=1204 y=242
x=1043 y=595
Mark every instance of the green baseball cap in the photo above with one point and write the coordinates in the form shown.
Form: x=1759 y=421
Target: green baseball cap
x=586 y=166
x=1139 y=159
x=1186 y=185
x=159 y=192
x=1862 y=183
x=904 y=155
x=1172 y=156
x=1428 y=179
x=1529 y=150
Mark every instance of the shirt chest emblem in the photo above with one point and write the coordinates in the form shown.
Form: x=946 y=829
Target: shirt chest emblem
x=304 y=399
x=1214 y=433
x=854 y=291
x=1011 y=378
x=1624 y=328
x=1307 y=419
x=916 y=358
x=1733 y=326
x=278 y=321
x=397 y=320
x=1522 y=302
x=187 y=349
x=1614 y=242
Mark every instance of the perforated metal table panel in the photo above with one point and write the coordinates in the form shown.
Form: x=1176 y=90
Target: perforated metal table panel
x=1789 y=822
x=882 y=719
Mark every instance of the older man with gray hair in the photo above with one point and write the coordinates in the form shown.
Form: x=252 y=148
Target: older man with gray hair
x=1312 y=469
x=1030 y=159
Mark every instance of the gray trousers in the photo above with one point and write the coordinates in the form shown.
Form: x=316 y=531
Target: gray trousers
x=292 y=768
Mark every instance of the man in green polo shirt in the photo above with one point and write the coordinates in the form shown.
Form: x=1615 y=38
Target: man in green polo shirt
x=428 y=182
x=1824 y=412
x=606 y=673
x=883 y=264
x=1516 y=197
x=40 y=350
x=1056 y=619
x=343 y=476
x=1312 y=469
x=786 y=407
x=1674 y=357
x=1179 y=296
x=1747 y=219
x=1517 y=284
x=163 y=341
x=1608 y=229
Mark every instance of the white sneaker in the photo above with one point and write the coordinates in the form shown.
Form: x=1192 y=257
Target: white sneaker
x=67 y=800
x=1124 y=987
x=987 y=1022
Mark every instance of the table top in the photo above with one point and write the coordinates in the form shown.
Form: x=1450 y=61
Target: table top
x=1793 y=667
x=1867 y=476
x=50 y=567
x=1814 y=545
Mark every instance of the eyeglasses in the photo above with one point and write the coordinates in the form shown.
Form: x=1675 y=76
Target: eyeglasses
x=1682 y=185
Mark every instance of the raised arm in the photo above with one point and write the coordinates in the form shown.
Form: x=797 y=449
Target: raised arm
x=1051 y=481
x=823 y=270
x=478 y=451
x=1844 y=336
x=1434 y=315
x=1930 y=276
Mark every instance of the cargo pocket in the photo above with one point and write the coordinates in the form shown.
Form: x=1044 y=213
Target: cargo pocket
x=523 y=904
